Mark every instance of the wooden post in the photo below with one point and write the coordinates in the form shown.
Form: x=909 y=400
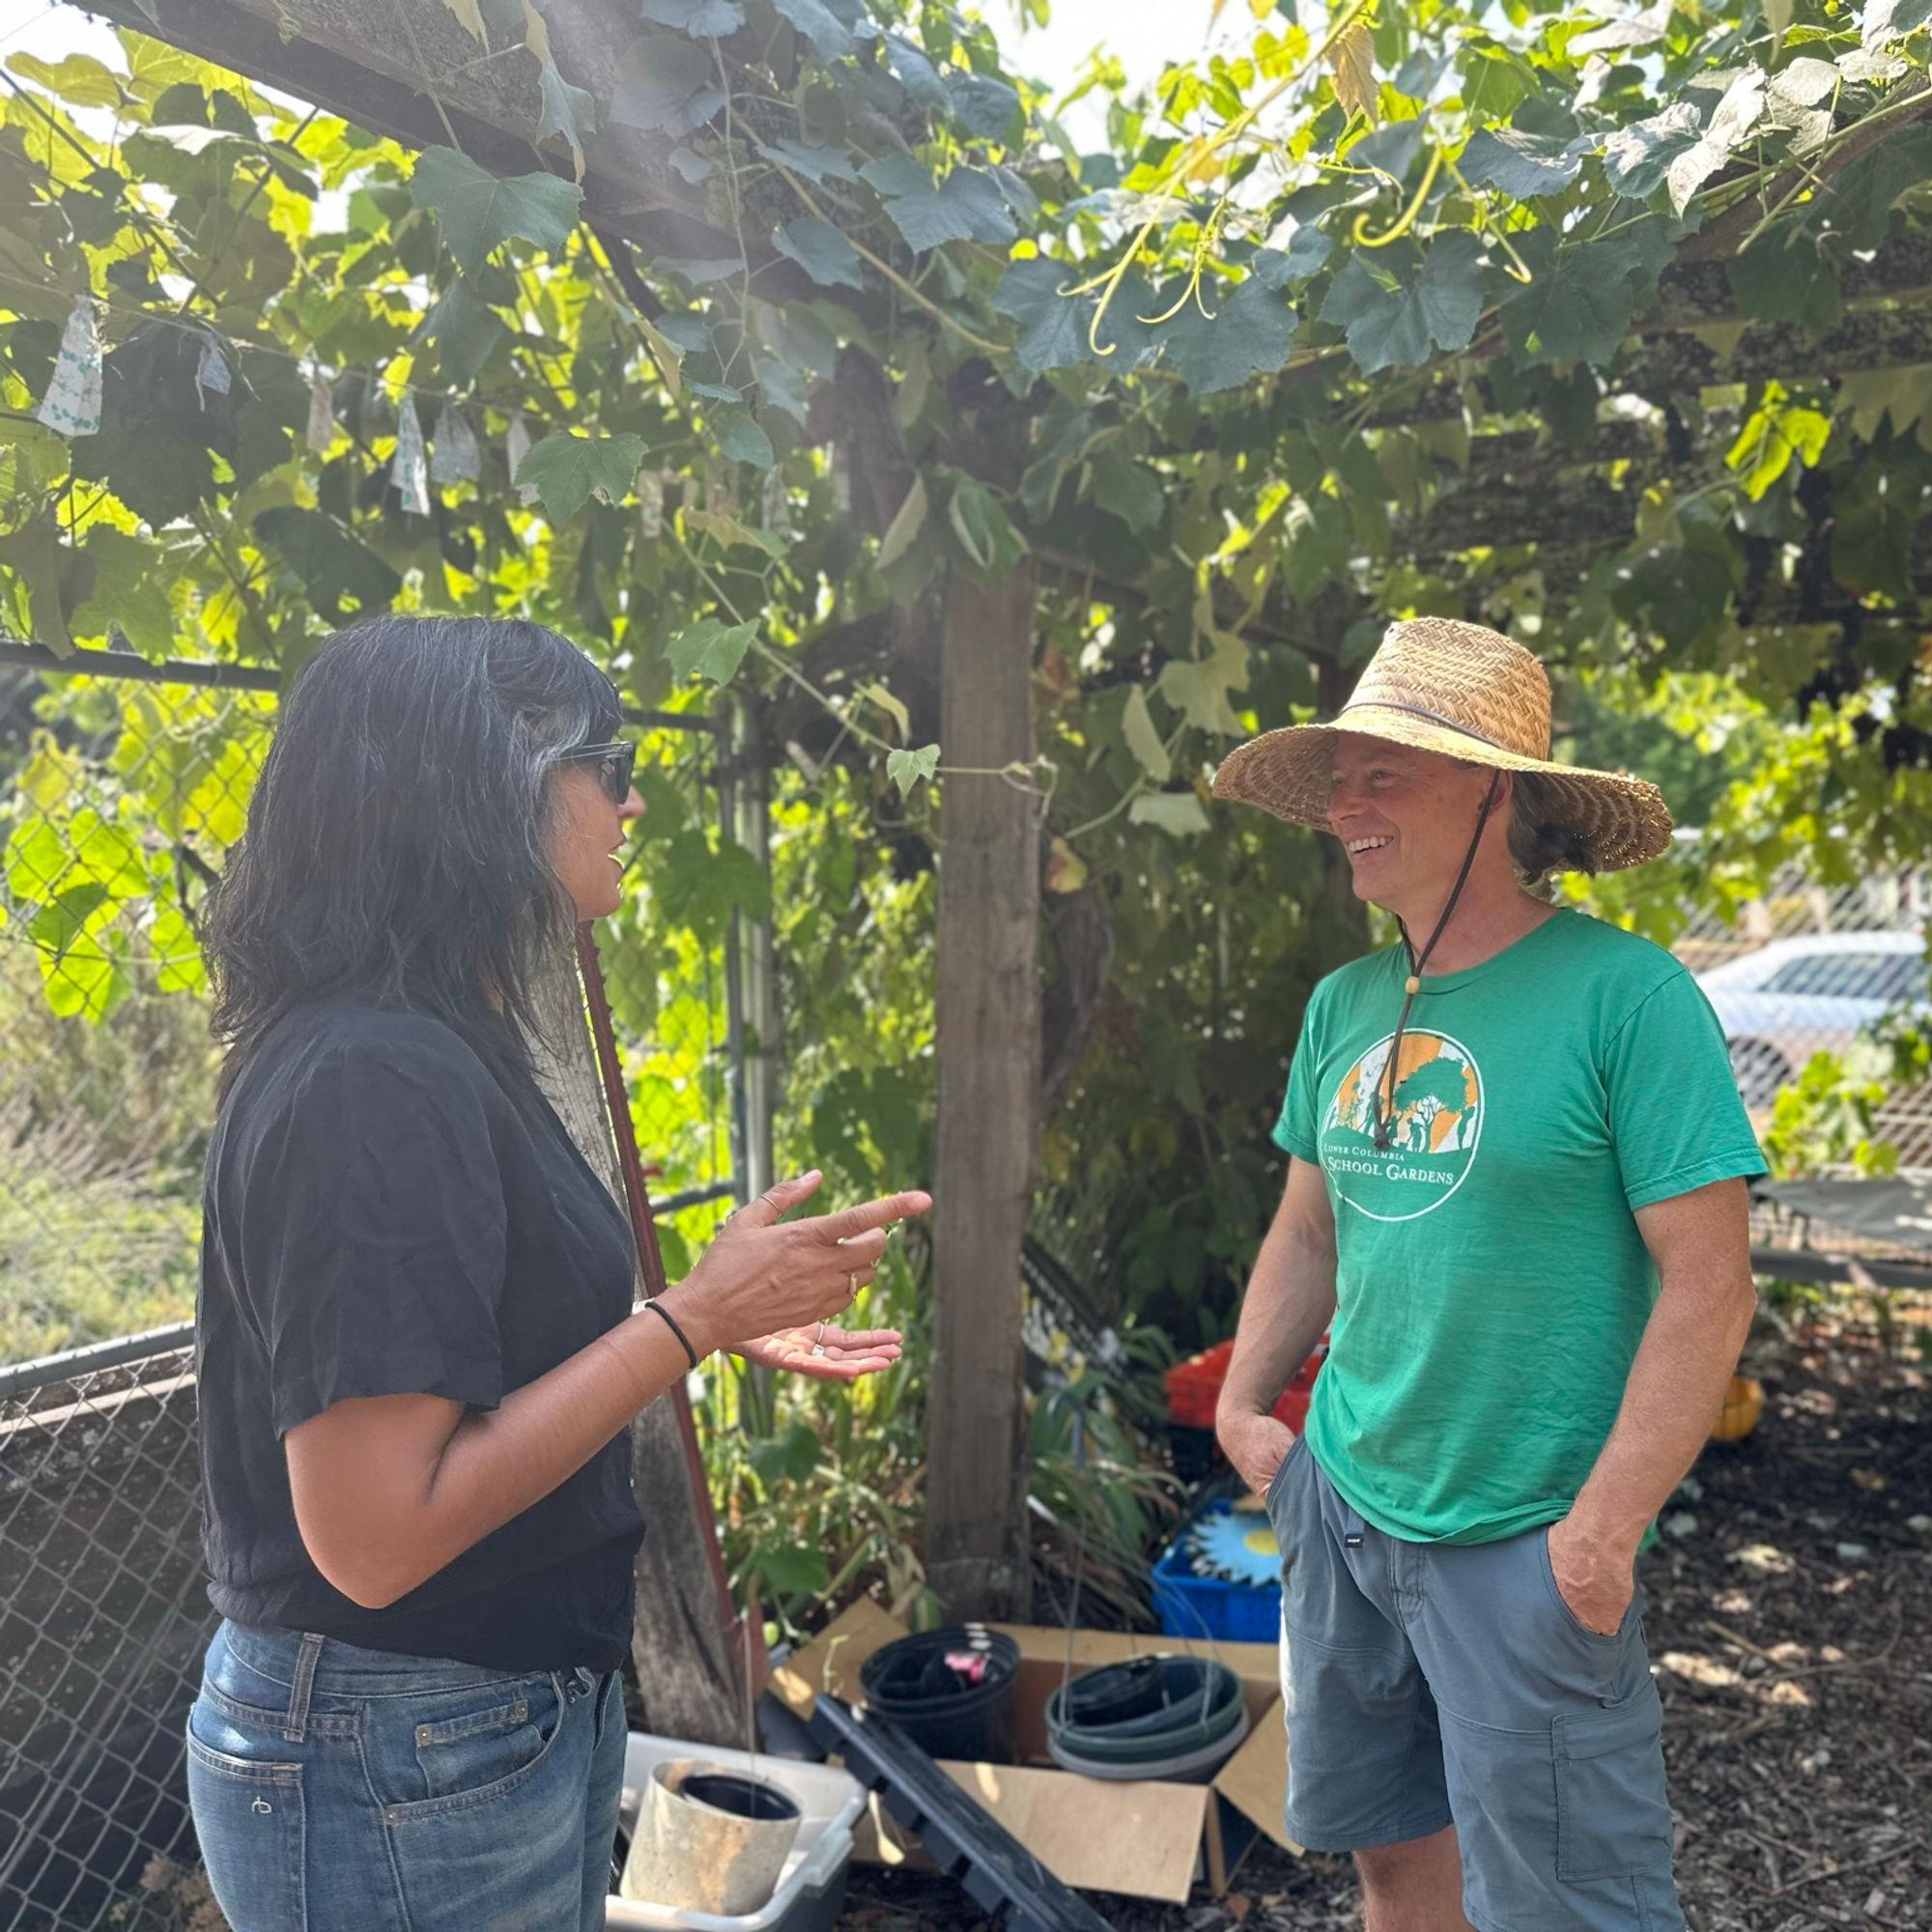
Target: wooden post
x=685 y=1644
x=988 y=1078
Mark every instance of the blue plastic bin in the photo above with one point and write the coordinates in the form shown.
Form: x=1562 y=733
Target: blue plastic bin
x=1194 y=1606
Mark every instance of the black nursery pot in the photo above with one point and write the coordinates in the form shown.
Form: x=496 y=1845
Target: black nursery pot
x=943 y=1712
x=741 y=1797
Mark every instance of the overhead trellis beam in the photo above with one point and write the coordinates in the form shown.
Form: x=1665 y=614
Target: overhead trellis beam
x=1684 y=364
x=1578 y=509
x=1696 y=290
x=413 y=73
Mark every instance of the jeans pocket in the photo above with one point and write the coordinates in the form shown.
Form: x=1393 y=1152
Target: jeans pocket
x=473 y=1746
x=1612 y=1813
x=249 y=1821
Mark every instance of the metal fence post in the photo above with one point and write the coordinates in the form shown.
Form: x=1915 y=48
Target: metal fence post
x=761 y=1018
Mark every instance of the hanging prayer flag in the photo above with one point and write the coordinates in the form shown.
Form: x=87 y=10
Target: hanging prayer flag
x=454 y=459
x=777 y=504
x=72 y=406
x=210 y=373
x=321 y=412
x=516 y=446
x=409 y=471
x=650 y=503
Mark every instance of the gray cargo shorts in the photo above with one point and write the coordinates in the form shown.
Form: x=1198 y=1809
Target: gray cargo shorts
x=1426 y=1684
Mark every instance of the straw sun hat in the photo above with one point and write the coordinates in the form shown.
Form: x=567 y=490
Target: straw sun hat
x=1470 y=694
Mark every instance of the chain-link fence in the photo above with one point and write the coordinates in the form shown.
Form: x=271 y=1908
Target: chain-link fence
x=102 y=1623
x=1807 y=967
x=122 y=786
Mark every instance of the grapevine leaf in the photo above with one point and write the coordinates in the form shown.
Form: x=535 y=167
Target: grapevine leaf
x=470 y=15
x=917 y=75
x=1776 y=282
x=907 y=521
x=1177 y=814
x=966 y=205
x=567 y=471
x=1449 y=291
x=817 y=164
x=1250 y=335
x=568 y=111
x=1854 y=204
x=1352 y=62
x=831 y=39
x=465 y=329
x=1636 y=158
x=1142 y=739
x=906 y=768
x=702 y=20
x=739 y=435
x=711 y=648
x=728 y=531
x=667 y=85
x=1382 y=320
x=1131 y=490
x=1051 y=331
x=984 y=106
x=1522 y=165
x=334 y=566
x=1738 y=111
x=821 y=251
x=1577 y=306
x=478 y=211
x=1886 y=20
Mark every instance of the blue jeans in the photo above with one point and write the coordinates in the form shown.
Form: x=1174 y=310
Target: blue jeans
x=336 y=1789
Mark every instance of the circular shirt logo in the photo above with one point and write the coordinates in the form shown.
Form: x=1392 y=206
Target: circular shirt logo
x=1437 y=1119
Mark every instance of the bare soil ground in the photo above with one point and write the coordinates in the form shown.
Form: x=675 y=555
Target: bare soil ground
x=1791 y=1636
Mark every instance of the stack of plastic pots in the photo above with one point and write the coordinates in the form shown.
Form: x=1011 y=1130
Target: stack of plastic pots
x=1173 y=1718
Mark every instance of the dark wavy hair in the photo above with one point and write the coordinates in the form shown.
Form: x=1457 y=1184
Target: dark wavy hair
x=395 y=849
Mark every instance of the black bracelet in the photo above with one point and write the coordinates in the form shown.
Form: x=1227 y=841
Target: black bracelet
x=658 y=1307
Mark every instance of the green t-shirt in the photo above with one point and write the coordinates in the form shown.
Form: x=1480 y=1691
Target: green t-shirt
x=1491 y=1286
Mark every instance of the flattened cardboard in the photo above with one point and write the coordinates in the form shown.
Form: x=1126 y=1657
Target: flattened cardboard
x=1152 y=1833
x=1149 y=1839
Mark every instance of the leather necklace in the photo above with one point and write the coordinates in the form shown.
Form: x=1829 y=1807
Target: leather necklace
x=1384 y=1105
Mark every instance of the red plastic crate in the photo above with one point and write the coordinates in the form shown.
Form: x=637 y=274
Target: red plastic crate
x=1194 y=1387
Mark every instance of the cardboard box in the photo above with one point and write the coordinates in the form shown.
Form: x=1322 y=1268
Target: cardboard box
x=1151 y=1841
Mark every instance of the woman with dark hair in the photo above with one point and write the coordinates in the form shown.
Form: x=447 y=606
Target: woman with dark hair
x=419 y=1356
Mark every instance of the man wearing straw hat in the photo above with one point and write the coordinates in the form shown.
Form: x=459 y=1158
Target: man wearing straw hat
x=1515 y=1195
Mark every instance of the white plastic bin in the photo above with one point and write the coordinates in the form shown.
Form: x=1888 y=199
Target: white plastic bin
x=811 y=1888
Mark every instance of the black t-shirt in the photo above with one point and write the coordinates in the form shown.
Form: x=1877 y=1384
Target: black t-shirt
x=382 y=1217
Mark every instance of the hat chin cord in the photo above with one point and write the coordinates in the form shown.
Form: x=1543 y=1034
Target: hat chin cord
x=1385 y=1095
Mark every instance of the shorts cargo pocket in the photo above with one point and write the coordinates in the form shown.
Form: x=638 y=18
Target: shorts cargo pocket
x=1613 y=1817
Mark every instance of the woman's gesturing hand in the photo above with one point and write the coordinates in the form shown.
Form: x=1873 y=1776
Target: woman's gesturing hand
x=824 y=1352
x=762 y=1276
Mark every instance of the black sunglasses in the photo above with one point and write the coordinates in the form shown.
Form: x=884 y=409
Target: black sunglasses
x=615 y=765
